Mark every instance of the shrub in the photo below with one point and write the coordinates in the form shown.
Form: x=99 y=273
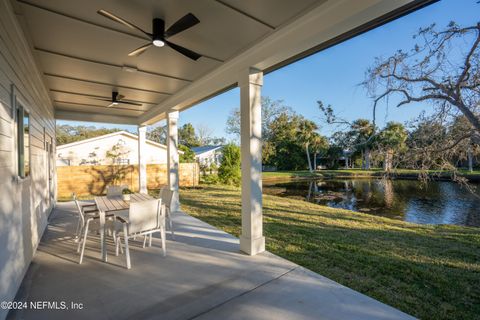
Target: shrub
x=229 y=170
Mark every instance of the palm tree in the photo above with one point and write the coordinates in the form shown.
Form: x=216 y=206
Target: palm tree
x=392 y=138
x=363 y=131
x=319 y=144
x=306 y=134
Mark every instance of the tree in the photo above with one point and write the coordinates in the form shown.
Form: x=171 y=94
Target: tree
x=442 y=70
x=306 y=132
x=319 y=145
x=362 y=132
x=271 y=109
x=68 y=134
x=187 y=136
x=229 y=170
x=188 y=155
x=158 y=134
x=391 y=138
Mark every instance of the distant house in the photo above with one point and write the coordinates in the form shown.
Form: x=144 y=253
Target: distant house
x=206 y=155
x=115 y=148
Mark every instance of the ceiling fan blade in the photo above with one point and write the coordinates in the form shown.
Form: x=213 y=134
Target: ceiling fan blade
x=140 y=50
x=120 y=97
x=130 y=103
x=102 y=99
x=187 y=21
x=112 y=104
x=115 y=18
x=186 y=52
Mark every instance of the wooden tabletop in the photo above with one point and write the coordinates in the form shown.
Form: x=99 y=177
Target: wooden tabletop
x=106 y=204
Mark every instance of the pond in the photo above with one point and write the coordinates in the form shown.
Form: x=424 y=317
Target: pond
x=437 y=202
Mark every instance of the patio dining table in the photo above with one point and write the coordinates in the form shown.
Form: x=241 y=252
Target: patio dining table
x=114 y=204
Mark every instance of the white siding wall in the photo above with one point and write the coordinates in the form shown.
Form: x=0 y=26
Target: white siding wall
x=74 y=154
x=24 y=205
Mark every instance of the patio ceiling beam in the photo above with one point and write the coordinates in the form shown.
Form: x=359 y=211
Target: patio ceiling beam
x=69 y=16
x=245 y=14
x=325 y=21
x=103 y=83
x=109 y=64
x=96 y=96
x=61 y=114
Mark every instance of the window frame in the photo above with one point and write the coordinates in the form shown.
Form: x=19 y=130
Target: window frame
x=20 y=111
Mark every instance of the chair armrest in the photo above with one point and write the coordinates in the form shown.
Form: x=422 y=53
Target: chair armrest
x=89 y=205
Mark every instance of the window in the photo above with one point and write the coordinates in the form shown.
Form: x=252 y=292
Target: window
x=23 y=142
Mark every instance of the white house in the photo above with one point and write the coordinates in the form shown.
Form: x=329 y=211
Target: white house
x=207 y=155
x=115 y=148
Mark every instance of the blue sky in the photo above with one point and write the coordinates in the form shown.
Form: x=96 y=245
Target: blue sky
x=333 y=75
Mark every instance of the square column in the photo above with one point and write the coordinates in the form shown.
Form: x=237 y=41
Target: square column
x=252 y=240
x=172 y=157
x=142 y=159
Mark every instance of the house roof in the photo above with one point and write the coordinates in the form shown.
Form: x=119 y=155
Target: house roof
x=203 y=149
x=118 y=133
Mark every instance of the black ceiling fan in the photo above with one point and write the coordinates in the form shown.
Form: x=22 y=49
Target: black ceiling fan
x=159 y=35
x=116 y=99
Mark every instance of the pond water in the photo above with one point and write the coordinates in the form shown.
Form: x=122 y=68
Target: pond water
x=437 y=202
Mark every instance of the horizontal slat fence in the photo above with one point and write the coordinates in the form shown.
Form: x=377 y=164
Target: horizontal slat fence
x=93 y=180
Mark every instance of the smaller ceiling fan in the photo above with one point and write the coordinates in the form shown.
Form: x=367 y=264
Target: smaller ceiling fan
x=116 y=99
x=159 y=35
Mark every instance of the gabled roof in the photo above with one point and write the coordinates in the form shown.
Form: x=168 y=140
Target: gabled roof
x=203 y=149
x=118 y=133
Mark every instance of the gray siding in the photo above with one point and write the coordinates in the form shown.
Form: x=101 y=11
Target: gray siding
x=24 y=204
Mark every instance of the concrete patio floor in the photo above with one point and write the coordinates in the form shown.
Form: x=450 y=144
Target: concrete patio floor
x=203 y=276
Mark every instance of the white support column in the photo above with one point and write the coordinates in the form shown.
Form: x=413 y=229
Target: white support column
x=142 y=159
x=172 y=156
x=252 y=240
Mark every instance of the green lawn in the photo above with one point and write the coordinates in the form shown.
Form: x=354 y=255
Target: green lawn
x=431 y=272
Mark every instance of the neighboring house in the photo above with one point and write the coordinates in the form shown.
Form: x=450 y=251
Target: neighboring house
x=206 y=155
x=115 y=148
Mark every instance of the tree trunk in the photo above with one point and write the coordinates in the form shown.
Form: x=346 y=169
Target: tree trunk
x=470 y=158
x=367 y=158
x=388 y=162
x=363 y=160
x=315 y=161
x=308 y=158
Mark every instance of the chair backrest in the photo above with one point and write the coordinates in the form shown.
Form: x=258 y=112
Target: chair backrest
x=144 y=215
x=167 y=197
x=161 y=193
x=113 y=191
x=79 y=208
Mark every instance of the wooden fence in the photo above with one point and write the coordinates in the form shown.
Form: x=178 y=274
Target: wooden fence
x=93 y=180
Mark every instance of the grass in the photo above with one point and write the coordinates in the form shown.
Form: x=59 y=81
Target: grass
x=431 y=272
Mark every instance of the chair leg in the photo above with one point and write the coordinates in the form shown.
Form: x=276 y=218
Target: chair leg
x=162 y=234
x=85 y=233
x=117 y=245
x=170 y=223
x=127 y=251
x=77 y=231
x=144 y=240
x=150 y=240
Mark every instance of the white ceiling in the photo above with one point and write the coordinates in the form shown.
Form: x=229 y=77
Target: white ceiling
x=82 y=53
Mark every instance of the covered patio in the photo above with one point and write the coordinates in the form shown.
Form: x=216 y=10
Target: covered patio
x=203 y=276
x=60 y=57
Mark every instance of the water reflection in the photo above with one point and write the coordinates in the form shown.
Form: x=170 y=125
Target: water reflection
x=438 y=202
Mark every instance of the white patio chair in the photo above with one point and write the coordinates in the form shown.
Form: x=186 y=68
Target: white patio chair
x=85 y=210
x=167 y=198
x=142 y=219
x=113 y=191
x=90 y=222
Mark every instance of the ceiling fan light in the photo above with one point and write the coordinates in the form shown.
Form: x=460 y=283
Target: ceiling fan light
x=115 y=103
x=158 y=43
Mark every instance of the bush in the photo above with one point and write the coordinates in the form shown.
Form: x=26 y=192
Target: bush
x=188 y=155
x=229 y=170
